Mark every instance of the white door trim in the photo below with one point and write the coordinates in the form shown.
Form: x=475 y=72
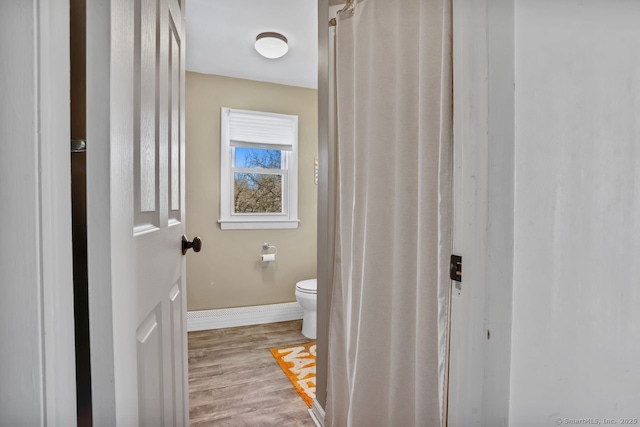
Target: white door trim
x=55 y=205
x=484 y=91
x=36 y=260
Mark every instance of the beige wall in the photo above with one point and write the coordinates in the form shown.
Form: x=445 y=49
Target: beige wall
x=228 y=272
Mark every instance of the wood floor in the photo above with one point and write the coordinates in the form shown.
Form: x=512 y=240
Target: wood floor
x=235 y=381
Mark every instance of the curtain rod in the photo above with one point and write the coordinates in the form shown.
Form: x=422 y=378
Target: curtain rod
x=348 y=6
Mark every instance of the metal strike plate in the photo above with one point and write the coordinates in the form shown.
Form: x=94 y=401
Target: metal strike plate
x=455 y=268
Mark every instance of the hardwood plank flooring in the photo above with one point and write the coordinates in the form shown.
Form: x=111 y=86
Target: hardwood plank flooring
x=234 y=380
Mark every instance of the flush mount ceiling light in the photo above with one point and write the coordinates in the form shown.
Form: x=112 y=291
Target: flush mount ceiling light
x=271 y=45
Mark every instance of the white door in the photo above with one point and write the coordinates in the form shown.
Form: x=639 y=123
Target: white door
x=135 y=198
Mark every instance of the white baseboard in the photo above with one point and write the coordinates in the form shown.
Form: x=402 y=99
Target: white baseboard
x=317 y=413
x=203 y=320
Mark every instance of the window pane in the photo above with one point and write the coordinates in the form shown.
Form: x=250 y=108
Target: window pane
x=258 y=158
x=257 y=193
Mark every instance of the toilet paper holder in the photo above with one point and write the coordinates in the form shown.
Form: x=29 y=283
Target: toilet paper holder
x=266 y=247
x=268 y=257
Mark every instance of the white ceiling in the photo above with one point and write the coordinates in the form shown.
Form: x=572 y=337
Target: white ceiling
x=221 y=35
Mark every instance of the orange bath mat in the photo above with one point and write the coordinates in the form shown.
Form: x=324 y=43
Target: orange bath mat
x=299 y=365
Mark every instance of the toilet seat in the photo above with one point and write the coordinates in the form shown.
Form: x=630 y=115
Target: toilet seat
x=309 y=286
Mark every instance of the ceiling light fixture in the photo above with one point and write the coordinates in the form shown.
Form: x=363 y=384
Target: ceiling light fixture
x=271 y=45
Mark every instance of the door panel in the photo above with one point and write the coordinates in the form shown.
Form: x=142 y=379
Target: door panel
x=150 y=379
x=146 y=135
x=178 y=342
x=174 y=120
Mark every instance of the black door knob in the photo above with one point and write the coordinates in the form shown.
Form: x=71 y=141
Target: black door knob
x=196 y=244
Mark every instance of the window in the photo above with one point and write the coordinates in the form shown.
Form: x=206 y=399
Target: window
x=258 y=170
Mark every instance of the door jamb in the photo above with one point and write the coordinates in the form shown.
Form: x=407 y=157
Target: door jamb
x=45 y=179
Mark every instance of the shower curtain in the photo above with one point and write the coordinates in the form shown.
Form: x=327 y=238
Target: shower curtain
x=389 y=309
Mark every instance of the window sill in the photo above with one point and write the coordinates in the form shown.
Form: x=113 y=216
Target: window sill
x=243 y=224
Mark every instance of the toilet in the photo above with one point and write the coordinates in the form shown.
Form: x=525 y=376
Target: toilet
x=307 y=297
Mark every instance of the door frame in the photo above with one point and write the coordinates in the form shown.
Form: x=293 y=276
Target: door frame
x=326 y=208
x=484 y=96
x=42 y=358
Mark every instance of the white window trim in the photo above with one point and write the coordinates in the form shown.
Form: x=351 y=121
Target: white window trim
x=232 y=221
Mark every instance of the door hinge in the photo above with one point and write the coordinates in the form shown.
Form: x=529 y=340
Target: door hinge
x=455 y=268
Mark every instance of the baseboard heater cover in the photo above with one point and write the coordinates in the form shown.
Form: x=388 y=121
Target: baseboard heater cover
x=202 y=320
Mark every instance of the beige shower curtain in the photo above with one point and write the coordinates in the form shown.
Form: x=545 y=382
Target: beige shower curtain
x=389 y=309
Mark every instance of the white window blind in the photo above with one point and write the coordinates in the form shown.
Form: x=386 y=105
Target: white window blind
x=262 y=130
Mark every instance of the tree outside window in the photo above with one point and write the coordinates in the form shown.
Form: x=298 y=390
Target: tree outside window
x=258 y=191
